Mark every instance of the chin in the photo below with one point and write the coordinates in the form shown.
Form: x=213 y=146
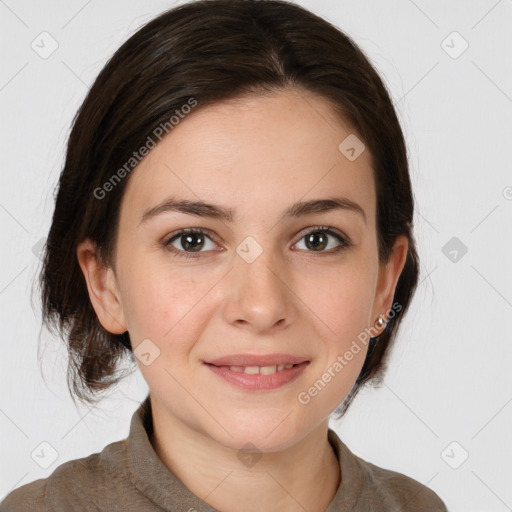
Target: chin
x=271 y=432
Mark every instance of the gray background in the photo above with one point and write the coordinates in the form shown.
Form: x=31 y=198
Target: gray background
x=448 y=391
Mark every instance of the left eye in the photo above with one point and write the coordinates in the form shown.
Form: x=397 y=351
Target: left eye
x=317 y=240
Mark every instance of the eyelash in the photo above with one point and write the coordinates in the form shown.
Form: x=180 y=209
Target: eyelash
x=345 y=243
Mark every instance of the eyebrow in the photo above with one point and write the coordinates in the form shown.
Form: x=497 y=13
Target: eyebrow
x=204 y=209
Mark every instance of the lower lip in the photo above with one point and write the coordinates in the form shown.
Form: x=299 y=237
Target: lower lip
x=257 y=381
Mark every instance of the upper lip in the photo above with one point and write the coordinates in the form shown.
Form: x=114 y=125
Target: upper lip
x=257 y=360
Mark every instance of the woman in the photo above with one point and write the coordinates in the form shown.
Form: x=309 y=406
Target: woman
x=235 y=214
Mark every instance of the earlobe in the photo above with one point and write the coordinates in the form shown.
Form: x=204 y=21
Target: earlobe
x=102 y=288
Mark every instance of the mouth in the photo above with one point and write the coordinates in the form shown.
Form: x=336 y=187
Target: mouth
x=255 y=370
x=252 y=372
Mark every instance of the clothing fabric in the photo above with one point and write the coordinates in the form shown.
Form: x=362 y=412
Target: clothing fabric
x=129 y=476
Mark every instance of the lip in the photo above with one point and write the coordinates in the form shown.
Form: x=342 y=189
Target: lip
x=258 y=382
x=257 y=360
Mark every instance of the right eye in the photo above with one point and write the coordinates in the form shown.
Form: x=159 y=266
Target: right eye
x=189 y=242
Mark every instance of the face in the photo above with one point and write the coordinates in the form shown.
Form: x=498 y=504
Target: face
x=283 y=288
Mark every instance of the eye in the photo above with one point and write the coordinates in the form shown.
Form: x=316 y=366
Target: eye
x=317 y=240
x=188 y=241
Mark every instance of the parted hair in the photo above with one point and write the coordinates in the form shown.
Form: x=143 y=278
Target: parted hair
x=209 y=50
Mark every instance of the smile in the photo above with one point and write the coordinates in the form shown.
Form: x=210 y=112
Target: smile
x=262 y=370
x=258 y=378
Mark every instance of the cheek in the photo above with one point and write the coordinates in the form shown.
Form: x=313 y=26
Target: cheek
x=340 y=297
x=162 y=303
x=340 y=301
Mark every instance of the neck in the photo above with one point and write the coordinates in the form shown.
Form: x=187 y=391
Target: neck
x=305 y=476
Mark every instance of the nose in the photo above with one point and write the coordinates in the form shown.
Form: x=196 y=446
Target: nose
x=259 y=295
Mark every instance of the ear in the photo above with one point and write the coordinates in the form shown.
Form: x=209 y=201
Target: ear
x=387 y=281
x=102 y=287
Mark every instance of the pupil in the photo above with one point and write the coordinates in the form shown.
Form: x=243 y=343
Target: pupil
x=316 y=240
x=189 y=241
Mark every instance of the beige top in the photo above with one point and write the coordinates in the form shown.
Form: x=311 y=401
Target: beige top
x=128 y=475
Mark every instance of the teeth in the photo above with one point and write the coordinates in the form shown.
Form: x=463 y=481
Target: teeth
x=262 y=370
x=268 y=370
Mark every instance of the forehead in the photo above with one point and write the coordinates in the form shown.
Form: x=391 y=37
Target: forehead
x=252 y=154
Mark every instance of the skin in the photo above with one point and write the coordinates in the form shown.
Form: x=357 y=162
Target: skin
x=258 y=156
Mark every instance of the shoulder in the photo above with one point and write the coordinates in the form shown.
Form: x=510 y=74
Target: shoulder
x=75 y=485
x=371 y=487
x=26 y=498
x=397 y=491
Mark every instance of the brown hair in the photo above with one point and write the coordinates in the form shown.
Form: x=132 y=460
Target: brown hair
x=209 y=50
